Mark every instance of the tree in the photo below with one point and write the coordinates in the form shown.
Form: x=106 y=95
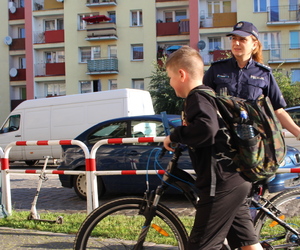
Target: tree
x=163 y=95
x=290 y=91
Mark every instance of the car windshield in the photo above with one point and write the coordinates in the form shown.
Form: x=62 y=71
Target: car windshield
x=295 y=114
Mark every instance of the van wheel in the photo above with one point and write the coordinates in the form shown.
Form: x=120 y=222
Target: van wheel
x=79 y=184
x=32 y=162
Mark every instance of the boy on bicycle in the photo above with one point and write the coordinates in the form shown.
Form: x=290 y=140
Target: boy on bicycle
x=222 y=211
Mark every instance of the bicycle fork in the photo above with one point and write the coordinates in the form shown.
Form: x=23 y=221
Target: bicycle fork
x=148 y=209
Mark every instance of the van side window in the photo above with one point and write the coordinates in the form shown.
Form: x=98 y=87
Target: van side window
x=12 y=124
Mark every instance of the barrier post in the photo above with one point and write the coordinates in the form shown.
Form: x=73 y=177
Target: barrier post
x=5 y=166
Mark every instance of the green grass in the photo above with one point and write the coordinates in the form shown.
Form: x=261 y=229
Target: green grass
x=70 y=225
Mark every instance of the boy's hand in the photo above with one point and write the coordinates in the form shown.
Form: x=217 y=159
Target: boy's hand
x=167 y=143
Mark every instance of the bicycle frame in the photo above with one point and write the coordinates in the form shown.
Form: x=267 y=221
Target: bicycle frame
x=185 y=182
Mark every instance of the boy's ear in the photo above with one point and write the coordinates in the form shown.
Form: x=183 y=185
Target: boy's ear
x=182 y=74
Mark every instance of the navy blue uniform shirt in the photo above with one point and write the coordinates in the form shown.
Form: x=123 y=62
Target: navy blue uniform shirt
x=248 y=83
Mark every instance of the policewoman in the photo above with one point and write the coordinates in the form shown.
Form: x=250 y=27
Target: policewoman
x=244 y=75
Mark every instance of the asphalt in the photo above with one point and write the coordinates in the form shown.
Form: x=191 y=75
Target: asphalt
x=54 y=198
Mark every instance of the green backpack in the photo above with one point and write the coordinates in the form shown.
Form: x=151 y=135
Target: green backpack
x=260 y=156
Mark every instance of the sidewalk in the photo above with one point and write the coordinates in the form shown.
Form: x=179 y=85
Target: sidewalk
x=30 y=239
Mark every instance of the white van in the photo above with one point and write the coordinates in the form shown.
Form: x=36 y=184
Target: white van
x=63 y=118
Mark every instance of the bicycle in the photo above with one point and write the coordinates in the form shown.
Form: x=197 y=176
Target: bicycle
x=147 y=217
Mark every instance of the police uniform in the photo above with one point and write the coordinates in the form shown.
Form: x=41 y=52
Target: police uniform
x=248 y=83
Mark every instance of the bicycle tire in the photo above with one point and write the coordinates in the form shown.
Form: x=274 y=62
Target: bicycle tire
x=109 y=235
x=288 y=202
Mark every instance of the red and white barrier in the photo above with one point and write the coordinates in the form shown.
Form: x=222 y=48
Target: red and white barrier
x=6 y=189
x=90 y=171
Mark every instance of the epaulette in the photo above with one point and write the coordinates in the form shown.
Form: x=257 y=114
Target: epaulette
x=221 y=60
x=263 y=66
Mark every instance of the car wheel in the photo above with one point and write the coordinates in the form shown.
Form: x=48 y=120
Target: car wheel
x=79 y=184
x=31 y=162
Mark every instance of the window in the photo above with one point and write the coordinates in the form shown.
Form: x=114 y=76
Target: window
x=219 y=7
x=138 y=83
x=81 y=22
x=90 y=86
x=22 y=63
x=21 y=32
x=214 y=43
x=89 y=53
x=136 y=18
x=294 y=39
x=56 y=24
x=113 y=130
x=12 y=124
x=260 y=5
x=295 y=75
x=270 y=40
x=55 y=89
x=55 y=56
x=112 y=16
x=112 y=84
x=137 y=52
x=293 y=5
x=175 y=16
x=112 y=51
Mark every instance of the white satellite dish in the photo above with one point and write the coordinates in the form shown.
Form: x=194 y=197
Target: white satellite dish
x=8 y=40
x=60 y=1
x=13 y=72
x=12 y=9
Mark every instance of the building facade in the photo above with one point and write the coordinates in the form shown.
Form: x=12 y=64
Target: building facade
x=61 y=47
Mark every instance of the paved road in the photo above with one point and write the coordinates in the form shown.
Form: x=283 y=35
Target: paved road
x=54 y=198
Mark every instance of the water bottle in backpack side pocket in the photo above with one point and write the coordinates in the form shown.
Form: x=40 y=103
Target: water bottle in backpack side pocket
x=245 y=131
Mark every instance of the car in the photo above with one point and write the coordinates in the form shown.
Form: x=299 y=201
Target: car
x=137 y=156
x=290 y=139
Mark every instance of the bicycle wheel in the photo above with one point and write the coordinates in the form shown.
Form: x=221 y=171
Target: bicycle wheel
x=288 y=203
x=117 y=225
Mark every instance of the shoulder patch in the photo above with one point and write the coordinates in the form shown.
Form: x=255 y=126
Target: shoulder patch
x=220 y=61
x=263 y=66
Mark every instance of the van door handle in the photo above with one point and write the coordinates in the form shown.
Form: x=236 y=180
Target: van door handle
x=17 y=135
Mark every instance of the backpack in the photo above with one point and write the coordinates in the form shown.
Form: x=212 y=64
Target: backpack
x=259 y=157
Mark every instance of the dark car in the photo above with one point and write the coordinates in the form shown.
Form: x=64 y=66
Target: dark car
x=134 y=156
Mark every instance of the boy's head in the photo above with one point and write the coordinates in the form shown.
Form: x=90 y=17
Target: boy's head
x=185 y=70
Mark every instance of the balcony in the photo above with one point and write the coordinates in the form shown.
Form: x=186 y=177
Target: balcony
x=18 y=14
x=47 y=5
x=17 y=44
x=97 y=3
x=283 y=54
x=217 y=20
x=173 y=28
x=21 y=75
x=102 y=66
x=50 y=69
x=101 y=31
x=284 y=15
x=54 y=36
x=215 y=55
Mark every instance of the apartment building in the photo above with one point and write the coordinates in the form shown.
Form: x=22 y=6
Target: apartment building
x=61 y=47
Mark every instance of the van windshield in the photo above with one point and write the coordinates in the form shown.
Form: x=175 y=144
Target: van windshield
x=12 y=124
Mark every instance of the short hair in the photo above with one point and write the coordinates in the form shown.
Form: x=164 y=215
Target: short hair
x=188 y=59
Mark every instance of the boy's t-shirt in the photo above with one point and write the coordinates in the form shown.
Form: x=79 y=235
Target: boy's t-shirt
x=200 y=135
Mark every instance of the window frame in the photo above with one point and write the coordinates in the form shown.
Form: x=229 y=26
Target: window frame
x=138 y=21
x=133 y=52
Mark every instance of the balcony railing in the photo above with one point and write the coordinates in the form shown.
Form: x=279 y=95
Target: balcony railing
x=102 y=66
x=101 y=31
x=17 y=44
x=54 y=36
x=18 y=14
x=283 y=53
x=215 y=20
x=50 y=69
x=39 y=37
x=92 y=3
x=284 y=14
x=173 y=28
x=21 y=75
